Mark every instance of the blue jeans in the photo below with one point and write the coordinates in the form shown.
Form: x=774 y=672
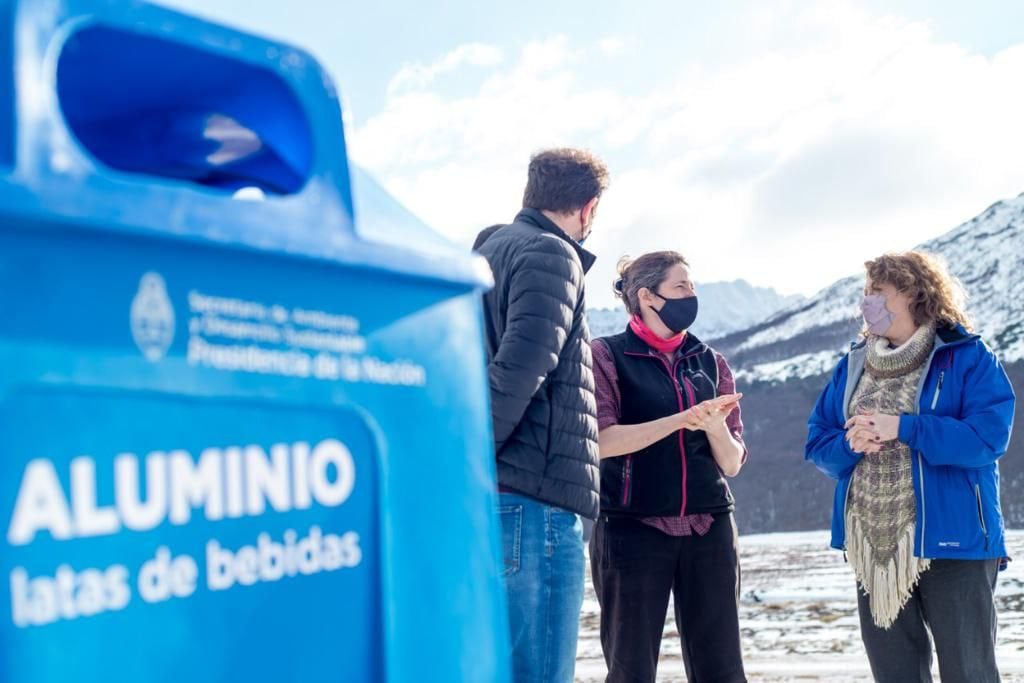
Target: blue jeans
x=544 y=578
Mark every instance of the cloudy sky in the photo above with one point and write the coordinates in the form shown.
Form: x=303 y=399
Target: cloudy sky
x=779 y=142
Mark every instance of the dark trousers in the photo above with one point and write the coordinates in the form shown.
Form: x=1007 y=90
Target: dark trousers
x=954 y=600
x=636 y=568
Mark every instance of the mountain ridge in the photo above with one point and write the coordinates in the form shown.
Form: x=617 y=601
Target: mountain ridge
x=986 y=253
x=725 y=306
x=781 y=364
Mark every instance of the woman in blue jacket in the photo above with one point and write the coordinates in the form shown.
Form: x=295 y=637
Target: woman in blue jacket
x=911 y=426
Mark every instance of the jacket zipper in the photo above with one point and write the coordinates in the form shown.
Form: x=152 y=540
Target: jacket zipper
x=691 y=396
x=682 y=445
x=627 y=470
x=981 y=513
x=924 y=504
x=938 y=388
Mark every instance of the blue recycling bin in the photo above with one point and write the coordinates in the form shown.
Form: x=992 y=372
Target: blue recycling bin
x=244 y=429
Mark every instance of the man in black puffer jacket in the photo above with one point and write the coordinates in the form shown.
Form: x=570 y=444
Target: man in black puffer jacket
x=543 y=405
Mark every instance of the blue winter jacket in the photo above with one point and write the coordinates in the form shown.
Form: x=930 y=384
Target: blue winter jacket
x=960 y=429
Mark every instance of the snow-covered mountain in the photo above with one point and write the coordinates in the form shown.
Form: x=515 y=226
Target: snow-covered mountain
x=806 y=339
x=605 y=321
x=724 y=307
x=780 y=364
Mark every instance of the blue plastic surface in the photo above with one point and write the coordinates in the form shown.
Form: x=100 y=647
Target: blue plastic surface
x=239 y=440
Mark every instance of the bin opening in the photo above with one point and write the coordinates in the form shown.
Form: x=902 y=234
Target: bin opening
x=147 y=105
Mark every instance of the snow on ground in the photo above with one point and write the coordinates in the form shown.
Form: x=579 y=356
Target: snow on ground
x=798 y=616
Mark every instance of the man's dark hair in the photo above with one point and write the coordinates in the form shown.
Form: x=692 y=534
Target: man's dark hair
x=563 y=180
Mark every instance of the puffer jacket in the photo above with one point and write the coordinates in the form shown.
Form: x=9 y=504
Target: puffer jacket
x=542 y=383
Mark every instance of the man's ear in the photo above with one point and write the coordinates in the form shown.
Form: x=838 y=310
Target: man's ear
x=588 y=210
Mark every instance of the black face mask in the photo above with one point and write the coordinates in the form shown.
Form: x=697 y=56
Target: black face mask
x=678 y=314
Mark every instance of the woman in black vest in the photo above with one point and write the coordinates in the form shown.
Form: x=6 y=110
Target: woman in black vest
x=670 y=433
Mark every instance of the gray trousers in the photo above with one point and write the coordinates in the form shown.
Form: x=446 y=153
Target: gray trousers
x=954 y=600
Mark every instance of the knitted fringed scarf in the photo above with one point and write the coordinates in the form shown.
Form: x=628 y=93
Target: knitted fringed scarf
x=881 y=512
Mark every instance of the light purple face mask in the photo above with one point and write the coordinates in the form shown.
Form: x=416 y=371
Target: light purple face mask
x=876 y=315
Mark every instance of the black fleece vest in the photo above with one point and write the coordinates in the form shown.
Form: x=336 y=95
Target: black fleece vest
x=676 y=475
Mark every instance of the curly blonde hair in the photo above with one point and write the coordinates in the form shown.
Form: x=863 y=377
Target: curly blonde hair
x=934 y=294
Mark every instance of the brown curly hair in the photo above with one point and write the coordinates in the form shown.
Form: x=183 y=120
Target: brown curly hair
x=563 y=180
x=934 y=294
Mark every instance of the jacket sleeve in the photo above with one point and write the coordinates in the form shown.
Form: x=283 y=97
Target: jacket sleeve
x=980 y=434
x=826 y=445
x=543 y=293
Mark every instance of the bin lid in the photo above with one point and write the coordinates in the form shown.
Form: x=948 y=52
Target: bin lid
x=152 y=120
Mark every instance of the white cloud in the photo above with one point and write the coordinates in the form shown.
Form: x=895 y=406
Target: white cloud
x=612 y=46
x=418 y=76
x=853 y=134
x=459 y=162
